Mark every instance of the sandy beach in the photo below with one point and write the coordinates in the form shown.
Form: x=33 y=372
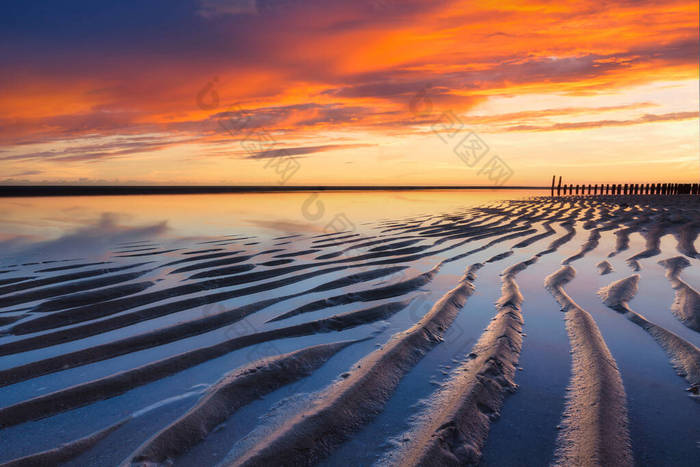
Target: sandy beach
x=242 y=350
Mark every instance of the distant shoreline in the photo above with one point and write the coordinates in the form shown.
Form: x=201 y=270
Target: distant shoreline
x=8 y=191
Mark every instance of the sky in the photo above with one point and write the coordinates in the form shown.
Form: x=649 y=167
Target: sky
x=349 y=92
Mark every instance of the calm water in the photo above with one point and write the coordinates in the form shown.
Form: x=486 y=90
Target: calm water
x=37 y=229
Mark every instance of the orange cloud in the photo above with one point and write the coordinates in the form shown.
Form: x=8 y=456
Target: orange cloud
x=307 y=71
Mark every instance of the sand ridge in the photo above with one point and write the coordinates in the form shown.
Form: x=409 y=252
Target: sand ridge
x=685 y=357
x=353 y=401
x=595 y=425
x=454 y=427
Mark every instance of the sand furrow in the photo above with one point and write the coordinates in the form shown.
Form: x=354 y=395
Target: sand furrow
x=72 y=266
x=559 y=241
x=213 y=263
x=92 y=297
x=92 y=312
x=686 y=236
x=12 y=280
x=377 y=293
x=119 y=383
x=13 y=289
x=652 y=248
x=65 y=452
x=71 y=288
x=293 y=254
x=685 y=357
x=595 y=418
x=517 y=232
x=234 y=390
x=604 y=267
x=201 y=257
x=686 y=304
x=150 y=253
x=277 y=262
x=199 y=252
x=342 y=237
x=589 y=245
x=191 y=327
x=344 y=242
x=535 y=238
x=351 y=402
x=453 y=428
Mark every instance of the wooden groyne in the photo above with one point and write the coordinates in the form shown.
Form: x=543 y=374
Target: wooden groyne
x=666 y=189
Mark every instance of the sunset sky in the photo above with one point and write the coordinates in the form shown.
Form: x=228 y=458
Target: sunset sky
x=348 y=91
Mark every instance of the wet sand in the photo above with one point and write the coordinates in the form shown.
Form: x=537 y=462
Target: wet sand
x=262 y=313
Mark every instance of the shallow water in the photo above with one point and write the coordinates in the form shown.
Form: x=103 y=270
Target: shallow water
x=383 y=229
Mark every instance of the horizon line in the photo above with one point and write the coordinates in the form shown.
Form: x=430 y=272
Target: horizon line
x=97 y=190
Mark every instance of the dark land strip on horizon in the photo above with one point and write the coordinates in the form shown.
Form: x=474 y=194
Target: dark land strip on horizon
x=101 y=190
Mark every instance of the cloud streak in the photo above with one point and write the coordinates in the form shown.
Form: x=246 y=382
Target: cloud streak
x=303 y=150
x=647 y=118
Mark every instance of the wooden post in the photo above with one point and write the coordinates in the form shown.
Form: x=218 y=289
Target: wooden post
x=577 y=189
x=595 y=189
x=559 y=186
x=553 y=178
